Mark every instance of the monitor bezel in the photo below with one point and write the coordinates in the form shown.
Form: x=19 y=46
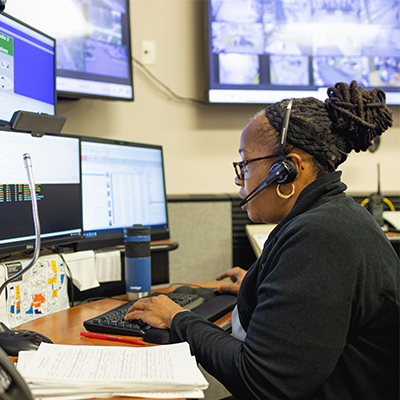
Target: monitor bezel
x=51 y=38
x=235 y=94
x=115 y=237
x=60 y=240
x=69 y=95
x=82 y=76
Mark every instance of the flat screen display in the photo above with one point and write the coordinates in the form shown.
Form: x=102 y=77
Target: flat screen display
x=122 y=184
x=56 y=171
x=27 y=69
x=261 y=51
x=93 y=44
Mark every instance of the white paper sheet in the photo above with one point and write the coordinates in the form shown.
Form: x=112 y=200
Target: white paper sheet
x=82 y=268
x=108 y=266
x=260 y=239
x=196 y=394
x=61 y=370
x=393 y=217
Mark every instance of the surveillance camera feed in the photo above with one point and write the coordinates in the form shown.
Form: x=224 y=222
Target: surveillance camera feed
x=93 y=44
x=262 y=50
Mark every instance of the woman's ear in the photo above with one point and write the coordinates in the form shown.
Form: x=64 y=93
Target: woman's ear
x=304 y=166
x=297 y=160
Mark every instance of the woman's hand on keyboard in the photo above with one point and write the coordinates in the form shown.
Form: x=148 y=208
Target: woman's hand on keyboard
x=236 y=275
x=157 y=311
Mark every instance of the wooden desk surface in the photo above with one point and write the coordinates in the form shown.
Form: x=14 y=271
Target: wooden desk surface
x=64 y=327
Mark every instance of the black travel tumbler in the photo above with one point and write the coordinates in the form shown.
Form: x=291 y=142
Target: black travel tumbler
x=137 y=261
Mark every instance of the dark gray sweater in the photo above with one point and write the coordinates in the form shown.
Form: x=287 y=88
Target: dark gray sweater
x=320 y=309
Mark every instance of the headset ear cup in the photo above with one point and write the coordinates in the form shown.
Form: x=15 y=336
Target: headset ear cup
x=288 y=171
x=292 y=171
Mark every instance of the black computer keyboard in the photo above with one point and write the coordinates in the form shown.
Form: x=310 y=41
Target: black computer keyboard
x=211 y=307
x=113 y=321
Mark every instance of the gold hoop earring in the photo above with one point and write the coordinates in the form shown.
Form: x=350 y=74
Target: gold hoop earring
x=285 y=196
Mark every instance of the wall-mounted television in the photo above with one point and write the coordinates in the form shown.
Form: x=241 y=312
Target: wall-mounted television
x=27 y=69
x=261 y=51
x=123 y=183
x=56 y=172
x=93 y=44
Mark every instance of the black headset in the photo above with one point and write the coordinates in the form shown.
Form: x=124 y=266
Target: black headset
x=2 y=5
x=281 y=171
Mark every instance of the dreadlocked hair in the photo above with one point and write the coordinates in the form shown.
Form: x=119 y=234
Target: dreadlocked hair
x=359 y=115
x=349 y=120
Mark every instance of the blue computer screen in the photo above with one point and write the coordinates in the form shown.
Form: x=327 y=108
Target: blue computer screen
x=27 y=69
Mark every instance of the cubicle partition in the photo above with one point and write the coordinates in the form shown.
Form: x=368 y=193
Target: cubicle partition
x=202 y=225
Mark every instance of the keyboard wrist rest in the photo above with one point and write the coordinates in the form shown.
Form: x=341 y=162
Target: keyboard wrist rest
x=216 y=307
x=211 y=310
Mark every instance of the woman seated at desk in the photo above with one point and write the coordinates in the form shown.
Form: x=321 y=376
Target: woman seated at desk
x=317 y=314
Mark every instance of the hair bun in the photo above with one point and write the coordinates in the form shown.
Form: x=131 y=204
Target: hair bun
x=358 y=115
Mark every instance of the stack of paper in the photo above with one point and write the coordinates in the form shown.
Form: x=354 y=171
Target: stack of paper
x=393 y=217
x=77 y=372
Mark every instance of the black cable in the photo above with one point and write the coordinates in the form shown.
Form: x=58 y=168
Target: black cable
x=59 y=252
x=169 y=90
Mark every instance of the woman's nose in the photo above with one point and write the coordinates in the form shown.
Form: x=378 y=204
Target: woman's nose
x=238 y=182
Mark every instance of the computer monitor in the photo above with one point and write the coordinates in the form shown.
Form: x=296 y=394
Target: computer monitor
x=27 y=69
x=56 y=171
x=262 y=51
x=122 y=184
x=93 y=44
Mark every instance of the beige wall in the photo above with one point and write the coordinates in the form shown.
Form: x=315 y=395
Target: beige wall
x=200 y=142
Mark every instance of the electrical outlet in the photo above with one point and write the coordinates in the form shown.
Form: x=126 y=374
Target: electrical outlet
x=149 y=52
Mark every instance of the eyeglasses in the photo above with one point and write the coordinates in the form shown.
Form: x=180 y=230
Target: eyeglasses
x=239 y=166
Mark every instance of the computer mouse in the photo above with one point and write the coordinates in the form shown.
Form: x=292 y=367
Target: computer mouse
x=13 y=341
